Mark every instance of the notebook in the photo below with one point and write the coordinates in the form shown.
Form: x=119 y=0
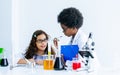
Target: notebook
x=69 y=51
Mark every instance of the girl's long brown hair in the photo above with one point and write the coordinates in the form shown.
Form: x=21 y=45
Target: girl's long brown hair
x=32 y=48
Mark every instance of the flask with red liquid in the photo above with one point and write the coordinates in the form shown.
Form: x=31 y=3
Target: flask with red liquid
x=76 y=63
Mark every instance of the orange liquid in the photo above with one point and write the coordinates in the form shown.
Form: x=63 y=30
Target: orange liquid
x=48 y=64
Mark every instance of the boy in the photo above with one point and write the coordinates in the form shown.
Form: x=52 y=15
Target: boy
x=71 y=20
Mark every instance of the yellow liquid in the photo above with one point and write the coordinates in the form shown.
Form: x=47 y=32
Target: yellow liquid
x=48 y=64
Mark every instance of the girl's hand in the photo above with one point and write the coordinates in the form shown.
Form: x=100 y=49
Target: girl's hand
x=40 y=62
x=31 y=60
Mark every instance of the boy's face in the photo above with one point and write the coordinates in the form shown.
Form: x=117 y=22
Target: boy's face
x=67 y=31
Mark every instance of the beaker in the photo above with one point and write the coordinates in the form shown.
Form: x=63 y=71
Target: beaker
x=76 y=64
x=48 y=62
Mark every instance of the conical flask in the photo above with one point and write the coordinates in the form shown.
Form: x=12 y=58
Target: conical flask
x=59 y=63
x=4 y=61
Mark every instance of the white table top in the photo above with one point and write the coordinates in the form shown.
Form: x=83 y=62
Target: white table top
x=38 y=70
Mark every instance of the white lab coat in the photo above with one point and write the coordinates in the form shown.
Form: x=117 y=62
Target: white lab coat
x=80 y=39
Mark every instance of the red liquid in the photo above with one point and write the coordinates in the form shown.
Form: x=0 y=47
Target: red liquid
x=76 y=65
x=79 y=65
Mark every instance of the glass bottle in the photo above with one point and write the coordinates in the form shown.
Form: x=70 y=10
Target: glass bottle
x=1 y=54
x=4 y=61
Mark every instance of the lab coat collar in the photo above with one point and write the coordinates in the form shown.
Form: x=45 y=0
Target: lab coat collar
x=77 y=36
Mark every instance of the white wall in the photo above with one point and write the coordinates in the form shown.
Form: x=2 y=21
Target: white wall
x=100 y=16
x=5 y=27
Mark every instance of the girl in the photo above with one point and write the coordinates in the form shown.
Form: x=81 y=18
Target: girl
x=37 y=48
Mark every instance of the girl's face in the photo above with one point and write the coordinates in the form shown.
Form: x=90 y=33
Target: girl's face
x=41 y=42
x=67 y=31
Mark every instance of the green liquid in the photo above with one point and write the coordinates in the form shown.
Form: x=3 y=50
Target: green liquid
x=1 y=50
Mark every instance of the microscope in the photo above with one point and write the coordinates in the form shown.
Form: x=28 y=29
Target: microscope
x=87 y=52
